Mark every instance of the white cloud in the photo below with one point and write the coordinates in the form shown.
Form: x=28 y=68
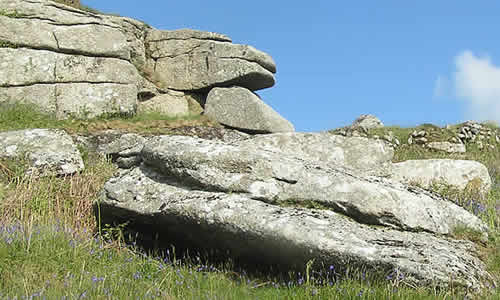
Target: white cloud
x=477 y=82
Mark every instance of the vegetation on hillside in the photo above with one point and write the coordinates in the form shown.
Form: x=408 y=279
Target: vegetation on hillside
x=52 y=247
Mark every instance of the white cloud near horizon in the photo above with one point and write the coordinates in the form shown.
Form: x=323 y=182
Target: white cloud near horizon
x=477 y=82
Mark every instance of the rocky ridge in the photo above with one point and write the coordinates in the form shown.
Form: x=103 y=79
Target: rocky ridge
x=81 y=64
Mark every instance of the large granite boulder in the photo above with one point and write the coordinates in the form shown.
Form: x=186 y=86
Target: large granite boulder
x=68 y=85
x=455 y=173
x=61 y=28
x=372 y=157
x=277 y=178
x=75 y=64
x=195 y=60
x=47 y=152
x=213 y=195
x=240 y=108
x=81 y=64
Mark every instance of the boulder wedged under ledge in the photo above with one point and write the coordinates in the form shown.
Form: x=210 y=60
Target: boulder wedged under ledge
x=240 y=108
x=277 y=178
x=248 y=229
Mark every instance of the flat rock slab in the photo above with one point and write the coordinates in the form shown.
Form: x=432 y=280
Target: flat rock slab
x=46 y=151
x=362 y=154
x=278 y=178
x=447 y=147
x=79 y=100
x=242 y=109
x=22 y=67
x=61 y=28
x=290 y=237
x=456 y=173
x=194 y=60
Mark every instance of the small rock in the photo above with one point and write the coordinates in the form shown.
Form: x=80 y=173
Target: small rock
x=447 y=146
x=367 y=122
x=421 y=140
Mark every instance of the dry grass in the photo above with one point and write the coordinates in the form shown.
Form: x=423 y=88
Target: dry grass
x=66 y=200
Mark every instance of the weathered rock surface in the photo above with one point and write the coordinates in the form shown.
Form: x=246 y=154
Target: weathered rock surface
x=367 y=121
x=362 y=154
x=447 y=147
x=23 y=67
x=108 y=63
x=289 y=237
x=277 y=178
x=155 y=101
x=61 y=28
x=166 y=104
x=194 y=60
x=46 y=151
x=457 y=173
x=81 y=100
x=68 y=85
x=240 y=108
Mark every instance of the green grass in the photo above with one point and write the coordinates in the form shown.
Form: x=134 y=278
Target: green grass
x=51 y=245
x=55 y=261
x=25 y=116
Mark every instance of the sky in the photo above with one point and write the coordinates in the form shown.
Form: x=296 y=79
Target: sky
x=406 y=62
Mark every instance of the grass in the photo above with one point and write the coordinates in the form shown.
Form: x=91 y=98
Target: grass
x=52 y=247
x=23 y=116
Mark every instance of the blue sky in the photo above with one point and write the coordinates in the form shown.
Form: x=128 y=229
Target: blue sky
x=407 y=62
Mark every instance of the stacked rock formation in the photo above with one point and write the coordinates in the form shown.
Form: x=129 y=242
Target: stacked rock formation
x=84 y=65
x=283 y=199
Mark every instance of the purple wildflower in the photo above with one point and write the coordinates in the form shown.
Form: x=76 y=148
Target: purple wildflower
x=96 y=279
x=137 y=275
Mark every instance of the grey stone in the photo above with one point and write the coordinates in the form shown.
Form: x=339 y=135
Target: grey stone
x=62 y=99
x=367 y=122
x=68 y=85
x=362 y=154
x=166 y=104
x=278 y=178
x=155 y=35
x=447 y=147
x=100 y=99
x=22 y=67
x=198 y=62
x=47 y=152
x=421 y=140
x=61 y=29
x=240 y=108
x=251 y=230
x=124 y=145
x=456 y=173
